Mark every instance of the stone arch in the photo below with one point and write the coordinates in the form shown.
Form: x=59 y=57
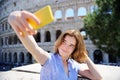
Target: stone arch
x=29 y=58
x=14 y=4
x=15 y=57
x=47 y=36
x=58 y=15
x=2 y=57
x=1 y=42
x=69 y=14
x=82 y=12
x=98 y=56
x=15 y=39
x=10 y=57
x=19 y=41
x=10 y=27
x=58 y=32
x=92 y=8
x=83 y=33
x=37 y=37
x=6 y=40
x=2 y=27
x=5 y=57
x=10 y=40
x=6 y=27
x=21 y=55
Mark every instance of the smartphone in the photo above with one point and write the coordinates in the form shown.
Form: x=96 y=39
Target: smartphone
x=45 y=16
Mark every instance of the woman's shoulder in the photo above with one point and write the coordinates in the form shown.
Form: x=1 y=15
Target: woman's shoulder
x=73 y=62
x=51 y=56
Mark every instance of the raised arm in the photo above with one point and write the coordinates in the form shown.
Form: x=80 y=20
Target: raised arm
x=92 y=72
x=18 y=21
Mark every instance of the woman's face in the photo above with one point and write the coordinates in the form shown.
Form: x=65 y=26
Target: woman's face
x=67 y=46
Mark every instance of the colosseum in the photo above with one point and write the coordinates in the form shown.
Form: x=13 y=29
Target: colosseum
x=68 y=14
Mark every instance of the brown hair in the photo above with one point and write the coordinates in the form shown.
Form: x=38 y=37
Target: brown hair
x=80 y=49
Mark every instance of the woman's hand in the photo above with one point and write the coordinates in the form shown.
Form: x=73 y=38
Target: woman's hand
x=18 y=20
x=92 y=71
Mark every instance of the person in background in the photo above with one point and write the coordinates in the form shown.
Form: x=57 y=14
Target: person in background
x=69 y=51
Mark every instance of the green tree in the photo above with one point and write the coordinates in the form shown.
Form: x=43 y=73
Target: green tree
x=103 y=26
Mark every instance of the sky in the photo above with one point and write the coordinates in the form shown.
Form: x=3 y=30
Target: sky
x=70 y=12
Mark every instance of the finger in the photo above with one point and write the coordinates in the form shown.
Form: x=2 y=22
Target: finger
x=26 y=25
x=18 y=22
x=33 y=31
x=27 y=15
x=31 y=16
x=17 y=30
x=23 y=30
x=20 y=25
x=20 y=32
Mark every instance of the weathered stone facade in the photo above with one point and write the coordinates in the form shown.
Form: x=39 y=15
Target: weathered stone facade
x=11 y=49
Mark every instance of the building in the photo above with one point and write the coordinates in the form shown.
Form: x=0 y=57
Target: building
x=68 y=15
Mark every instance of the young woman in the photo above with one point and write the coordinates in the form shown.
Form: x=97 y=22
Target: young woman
x=70 y=50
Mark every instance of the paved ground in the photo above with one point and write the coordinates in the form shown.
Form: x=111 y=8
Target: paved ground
x=31 y=72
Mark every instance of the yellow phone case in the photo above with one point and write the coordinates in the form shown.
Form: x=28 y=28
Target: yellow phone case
x=45 y=16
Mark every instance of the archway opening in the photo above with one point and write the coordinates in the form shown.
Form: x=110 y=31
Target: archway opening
x=98 y=57
x=29 y=58
x=58 y=32
x=21 y=57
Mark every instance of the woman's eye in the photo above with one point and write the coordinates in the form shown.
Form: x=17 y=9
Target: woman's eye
x=72 y=46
